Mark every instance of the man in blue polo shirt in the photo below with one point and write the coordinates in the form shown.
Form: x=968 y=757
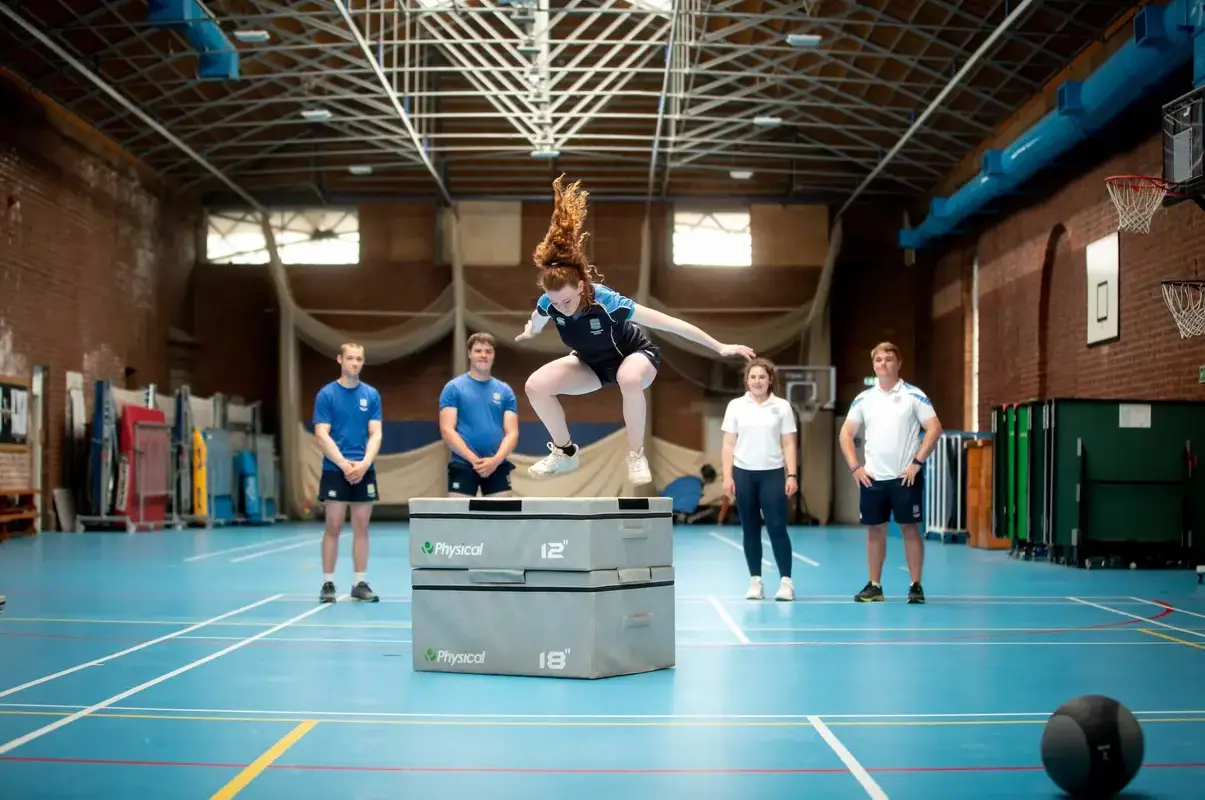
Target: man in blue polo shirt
x=347 y=423
x=479 y=419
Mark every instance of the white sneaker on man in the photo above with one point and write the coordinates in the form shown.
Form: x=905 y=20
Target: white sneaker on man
x=786 y=590
x=638 y=469
x=557 y=462
x=756 y=592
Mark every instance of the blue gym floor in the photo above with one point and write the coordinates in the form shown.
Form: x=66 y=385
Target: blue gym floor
x=822 y=697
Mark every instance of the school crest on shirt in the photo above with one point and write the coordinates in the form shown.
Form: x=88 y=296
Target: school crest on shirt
x=595 y=325
x=363 y=403
x=497 y=398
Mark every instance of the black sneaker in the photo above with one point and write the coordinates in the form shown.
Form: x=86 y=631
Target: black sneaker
x=870 y=594
x=328 y=593
x=1 y=602
x=361 y=592
x=916 y=594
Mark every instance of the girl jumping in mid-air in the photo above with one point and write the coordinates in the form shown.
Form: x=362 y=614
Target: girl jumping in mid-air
x=600 y=326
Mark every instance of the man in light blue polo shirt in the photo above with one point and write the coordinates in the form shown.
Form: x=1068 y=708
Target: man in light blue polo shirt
x=479 y=419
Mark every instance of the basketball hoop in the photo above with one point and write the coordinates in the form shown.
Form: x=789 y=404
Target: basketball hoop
x=1186 y=301
x=807 y=411
x=1137 y=198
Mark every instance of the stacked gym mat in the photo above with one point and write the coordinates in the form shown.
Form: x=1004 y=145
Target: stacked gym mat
x=555 y=587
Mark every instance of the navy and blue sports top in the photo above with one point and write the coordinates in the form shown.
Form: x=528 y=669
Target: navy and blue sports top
x=602 y=331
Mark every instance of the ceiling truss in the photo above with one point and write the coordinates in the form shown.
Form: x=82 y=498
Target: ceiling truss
x=642 y=98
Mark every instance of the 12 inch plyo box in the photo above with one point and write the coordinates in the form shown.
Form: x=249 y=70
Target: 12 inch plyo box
x=563 y=534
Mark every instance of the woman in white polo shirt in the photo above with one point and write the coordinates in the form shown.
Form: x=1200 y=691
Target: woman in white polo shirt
x=759 y=471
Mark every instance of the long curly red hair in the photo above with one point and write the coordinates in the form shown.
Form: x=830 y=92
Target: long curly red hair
x=561 y=257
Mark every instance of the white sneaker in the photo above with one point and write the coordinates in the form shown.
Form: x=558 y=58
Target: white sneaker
x=755 y=589
x=555 y=463
x=786 y=590
x=638 y=469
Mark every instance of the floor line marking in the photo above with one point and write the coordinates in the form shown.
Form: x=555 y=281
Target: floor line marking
x=269 y=756
x=295 y=715
x=734 y=544
x=259 y=553
x=469 y=770
x=386 y=626
x=520 y=723
x=354 y=642
x=766 y=541
x=1165 y=605
x=117 y=698
x=729 y=621
x=847 y=758
x=238 y=624
x=1172 y=638
x=241 y=548
x=135 y=648
x=1144 y=619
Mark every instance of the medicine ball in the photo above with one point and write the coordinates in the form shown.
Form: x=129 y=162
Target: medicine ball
x=1092 y=746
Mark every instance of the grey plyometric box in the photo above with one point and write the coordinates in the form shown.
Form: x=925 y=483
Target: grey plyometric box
x=554 y=624
x=557 y=533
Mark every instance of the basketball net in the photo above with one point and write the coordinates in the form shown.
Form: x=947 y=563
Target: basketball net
x=807 y=411
x=1137 y=198
x=1186 y=301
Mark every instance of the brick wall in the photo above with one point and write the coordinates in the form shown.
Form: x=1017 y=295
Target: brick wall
x=94 y=258
x=876 y=298
x=1033 y=304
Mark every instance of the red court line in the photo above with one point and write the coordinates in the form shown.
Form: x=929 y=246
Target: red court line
x=555 y=770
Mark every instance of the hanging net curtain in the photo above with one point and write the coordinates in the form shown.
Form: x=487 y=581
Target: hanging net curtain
x=461 y=308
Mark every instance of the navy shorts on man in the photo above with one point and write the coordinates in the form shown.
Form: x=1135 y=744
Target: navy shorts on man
x=463 y=479
x=882 y=501
x=335 y=488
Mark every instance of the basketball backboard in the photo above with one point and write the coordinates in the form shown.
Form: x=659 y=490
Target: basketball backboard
x=809 y=388
x=1183 y=148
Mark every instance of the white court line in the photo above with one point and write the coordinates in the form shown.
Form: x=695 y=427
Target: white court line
x=251 y=624
x=100 y=661
x=1140 y=619
x=738 y=546
x=204 y=556
x=117 y=698
x=305 y=543
x=247 y=712
x=729 y=621
x=1173 y=608
x=766 y=541
x=847 y=758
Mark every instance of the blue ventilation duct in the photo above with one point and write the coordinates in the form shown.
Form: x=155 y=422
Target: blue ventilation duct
x=218 y=56
x=1165 y=38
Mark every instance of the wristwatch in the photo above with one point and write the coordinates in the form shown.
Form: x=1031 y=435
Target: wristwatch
x=918 y=462
x=791 y=475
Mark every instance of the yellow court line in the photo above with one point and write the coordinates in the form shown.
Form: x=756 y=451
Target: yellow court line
x=252 y=770
x=510 y=723
x=1163 y=635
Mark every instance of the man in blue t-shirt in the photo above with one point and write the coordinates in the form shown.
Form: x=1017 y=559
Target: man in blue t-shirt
x=347 y=423
x=479 y=419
